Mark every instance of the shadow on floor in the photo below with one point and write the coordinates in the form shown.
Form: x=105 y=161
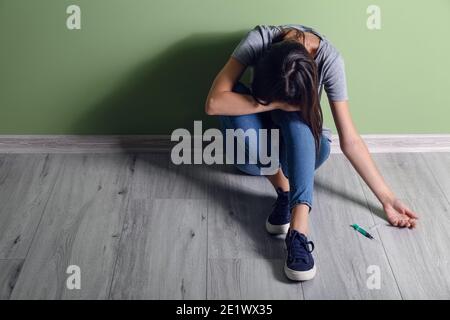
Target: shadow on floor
x=245 y=207
x=214 y=181
x=319 y=184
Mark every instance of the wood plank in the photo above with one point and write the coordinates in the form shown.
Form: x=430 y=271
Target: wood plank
x=238 y=206
x=9 y=272
x=439 y=165
x=163 y=251
x=342 y=255
x=408 y=176
x=250 y=279
x=245 y=262
x=159 y=178
x=26 y=182
x=81 y=226
x=419 y=258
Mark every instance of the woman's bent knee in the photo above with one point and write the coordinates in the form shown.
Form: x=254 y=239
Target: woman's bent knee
x=324 y=151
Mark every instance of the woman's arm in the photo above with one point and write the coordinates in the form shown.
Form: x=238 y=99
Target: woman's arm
x=222 y=100
x=354 y=148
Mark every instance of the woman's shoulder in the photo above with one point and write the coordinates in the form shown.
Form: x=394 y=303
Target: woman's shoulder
x=328 y=53
x=265 y=32
x=254 y=43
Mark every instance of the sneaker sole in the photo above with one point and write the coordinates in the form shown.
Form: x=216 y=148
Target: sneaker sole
x=300 y=275
x=277 y=228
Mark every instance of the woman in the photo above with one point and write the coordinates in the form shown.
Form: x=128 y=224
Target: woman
x=291 y=64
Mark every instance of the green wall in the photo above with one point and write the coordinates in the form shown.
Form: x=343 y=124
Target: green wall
x=144 y=66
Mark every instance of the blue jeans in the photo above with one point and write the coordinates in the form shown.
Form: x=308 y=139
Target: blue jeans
x=297 y=152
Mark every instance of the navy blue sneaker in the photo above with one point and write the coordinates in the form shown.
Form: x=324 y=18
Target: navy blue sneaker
x=279 y=219
x=299 y=263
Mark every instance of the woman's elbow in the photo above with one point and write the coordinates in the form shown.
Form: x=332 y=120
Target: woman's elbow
x=210 y=106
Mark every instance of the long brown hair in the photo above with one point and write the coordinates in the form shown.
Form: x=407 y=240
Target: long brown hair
x=288 y=73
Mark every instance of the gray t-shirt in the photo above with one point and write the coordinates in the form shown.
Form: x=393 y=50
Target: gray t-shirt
x=329 y=61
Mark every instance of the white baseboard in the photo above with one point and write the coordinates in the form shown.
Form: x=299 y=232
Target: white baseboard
x=377 y=143
x=402 y=143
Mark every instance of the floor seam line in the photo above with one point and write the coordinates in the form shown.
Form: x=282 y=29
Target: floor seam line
x=121 y=233
x=435 y=179
x=37 y=226
x=381 y=240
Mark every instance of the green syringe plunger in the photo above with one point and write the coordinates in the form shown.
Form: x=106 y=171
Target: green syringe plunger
x=362 y=231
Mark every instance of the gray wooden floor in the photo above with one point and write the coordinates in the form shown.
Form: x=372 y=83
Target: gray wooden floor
x=141 y=228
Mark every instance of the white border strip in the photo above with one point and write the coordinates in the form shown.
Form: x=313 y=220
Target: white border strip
x=402 y=143
x=377 y=143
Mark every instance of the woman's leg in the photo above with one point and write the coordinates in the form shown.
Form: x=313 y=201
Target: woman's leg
x=299 y=163
x=279 y=181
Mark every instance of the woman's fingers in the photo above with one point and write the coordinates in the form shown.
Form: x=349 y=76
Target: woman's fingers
x=411 y=214
x=403 y=209
x=410 y=222
x=403 y=223
x=394 y=221
x=402 y=217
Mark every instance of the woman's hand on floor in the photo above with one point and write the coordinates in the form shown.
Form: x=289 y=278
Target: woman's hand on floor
x=399 y=215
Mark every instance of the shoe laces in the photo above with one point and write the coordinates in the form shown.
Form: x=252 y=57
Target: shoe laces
x=299 y=249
